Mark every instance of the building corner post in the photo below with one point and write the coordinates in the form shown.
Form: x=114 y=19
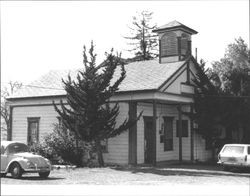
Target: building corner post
x=132 y=135
x=180 y=132
x=154 y=132
x=192 y=132
x=9 y=127
x=179 y=48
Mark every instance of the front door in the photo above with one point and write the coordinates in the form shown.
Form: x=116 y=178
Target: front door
x=148 y=140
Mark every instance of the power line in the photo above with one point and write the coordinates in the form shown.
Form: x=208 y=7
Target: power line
x=36 y=86
x=33 y=86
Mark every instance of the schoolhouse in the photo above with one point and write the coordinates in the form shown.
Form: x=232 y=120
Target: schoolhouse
x=162 y=88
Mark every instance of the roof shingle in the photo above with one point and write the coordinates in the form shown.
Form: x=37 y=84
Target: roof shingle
x=141 y=75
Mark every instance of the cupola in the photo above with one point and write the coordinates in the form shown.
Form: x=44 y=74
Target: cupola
x=174 y=42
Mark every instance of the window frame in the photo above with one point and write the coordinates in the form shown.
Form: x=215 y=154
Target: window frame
x=184 y=129
x=168 y=140
x=32 y=120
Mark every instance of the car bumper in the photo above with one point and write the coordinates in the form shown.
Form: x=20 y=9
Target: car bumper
x=233 y=164
x=38 y=169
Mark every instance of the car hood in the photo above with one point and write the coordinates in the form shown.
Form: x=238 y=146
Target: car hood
x=36 y=159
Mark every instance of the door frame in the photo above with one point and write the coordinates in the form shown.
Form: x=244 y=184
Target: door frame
x=146 y=151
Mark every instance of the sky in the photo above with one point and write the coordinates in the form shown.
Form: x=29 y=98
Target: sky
x=38 y=36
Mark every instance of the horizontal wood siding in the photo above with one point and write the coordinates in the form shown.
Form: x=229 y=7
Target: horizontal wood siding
x=200 y=152
x=47 y=116
x=118 y=146
x=175 y=87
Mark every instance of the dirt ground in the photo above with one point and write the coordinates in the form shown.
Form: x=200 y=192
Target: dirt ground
x=171 y=175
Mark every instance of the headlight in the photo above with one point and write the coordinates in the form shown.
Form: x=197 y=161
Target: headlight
x=47 y=161
x=30 y=164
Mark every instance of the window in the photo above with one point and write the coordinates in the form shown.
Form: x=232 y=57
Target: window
x=17 y=147
x=248 y=150
x=234 y=149
x=184 y=128
x=104 y=145
x=33 y=130
x=168 y=133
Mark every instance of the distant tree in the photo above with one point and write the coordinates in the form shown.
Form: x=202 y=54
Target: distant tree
x=144 y=43
x=232 y=74
x=5 y=112
x=222 y=95
x=91 y=116
x=233 y=69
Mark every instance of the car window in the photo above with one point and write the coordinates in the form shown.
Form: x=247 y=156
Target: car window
x=248 y=150
x=17 y=147
x=234 y=149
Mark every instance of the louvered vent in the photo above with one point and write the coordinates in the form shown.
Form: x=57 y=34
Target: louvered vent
x=169 y=44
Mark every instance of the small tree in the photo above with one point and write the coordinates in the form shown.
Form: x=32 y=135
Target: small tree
x=60 y=147
x=90 y=115
x=5 y=112
x=144 y=43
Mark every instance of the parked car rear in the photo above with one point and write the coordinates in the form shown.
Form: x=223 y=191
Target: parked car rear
x=234 y=156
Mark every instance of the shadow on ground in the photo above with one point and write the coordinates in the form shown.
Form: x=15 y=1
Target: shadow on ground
x=184 y=170
x=35 y=178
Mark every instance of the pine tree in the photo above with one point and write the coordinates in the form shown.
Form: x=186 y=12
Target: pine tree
x=90 y=115
x=207 y=107
x=144 y=43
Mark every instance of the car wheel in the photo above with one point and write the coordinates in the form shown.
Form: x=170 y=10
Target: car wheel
x=16 y=171
x=44 y=174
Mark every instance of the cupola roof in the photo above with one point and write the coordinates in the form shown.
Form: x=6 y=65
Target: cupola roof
x=175 y=25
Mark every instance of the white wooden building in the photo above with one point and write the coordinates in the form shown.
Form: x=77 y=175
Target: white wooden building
x=162 y=88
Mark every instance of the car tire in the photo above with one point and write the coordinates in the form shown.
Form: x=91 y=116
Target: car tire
x=16 y=171
x=44 y=174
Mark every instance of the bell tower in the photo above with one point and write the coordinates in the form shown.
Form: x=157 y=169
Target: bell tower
x=175 y=42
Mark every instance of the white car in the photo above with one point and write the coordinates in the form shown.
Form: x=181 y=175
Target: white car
x=16 y=159
x=234 y=156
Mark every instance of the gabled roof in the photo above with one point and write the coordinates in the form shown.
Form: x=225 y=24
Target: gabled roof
x=175 y=25
x=140 y=76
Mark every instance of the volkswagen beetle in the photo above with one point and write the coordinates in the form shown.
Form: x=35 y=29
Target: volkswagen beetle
x=16 y=159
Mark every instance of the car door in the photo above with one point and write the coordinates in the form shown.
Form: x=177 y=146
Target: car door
x=4 y=157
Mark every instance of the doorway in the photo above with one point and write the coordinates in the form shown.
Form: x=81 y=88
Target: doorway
x=148 y=140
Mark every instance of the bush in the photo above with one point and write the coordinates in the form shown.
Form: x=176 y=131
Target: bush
x=61 y=147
